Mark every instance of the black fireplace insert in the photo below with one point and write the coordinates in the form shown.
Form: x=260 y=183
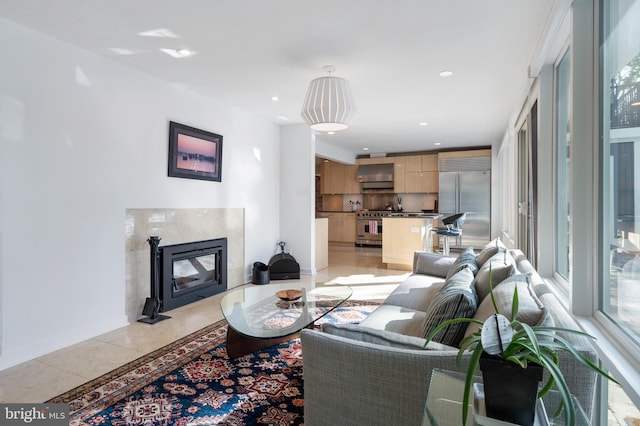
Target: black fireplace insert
x=191 y=271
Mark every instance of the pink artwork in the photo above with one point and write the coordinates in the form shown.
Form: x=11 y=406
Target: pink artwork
x=194 y=153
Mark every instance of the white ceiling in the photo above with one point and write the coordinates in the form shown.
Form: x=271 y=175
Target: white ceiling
x=391 y=52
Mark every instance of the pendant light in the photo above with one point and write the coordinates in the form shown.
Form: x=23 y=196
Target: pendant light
x=328 y=106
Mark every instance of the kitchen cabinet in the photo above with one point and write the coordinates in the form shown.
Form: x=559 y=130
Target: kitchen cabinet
x=342 y=227
x=421 y=182
x=350 y=184
x=465 y=154
x=429 y=162
x=399 y=175
x=339 y=178
x=421 y=173
x=402 y=237
x=413 y=163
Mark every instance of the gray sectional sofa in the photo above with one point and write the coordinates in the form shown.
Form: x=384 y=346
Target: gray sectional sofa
x=377 y=372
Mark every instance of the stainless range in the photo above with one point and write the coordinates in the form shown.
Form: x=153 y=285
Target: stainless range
x=369 y=227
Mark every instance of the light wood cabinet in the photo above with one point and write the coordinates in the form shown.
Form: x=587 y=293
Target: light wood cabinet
x=413 y=163
x=350 y=184
x=465 y=154
x=342 y=227
x=429 y=162
x=339 y=178
x=421 y=173
x=416 y=174
x=399 y=175
x=404 y=236
x=421 y=182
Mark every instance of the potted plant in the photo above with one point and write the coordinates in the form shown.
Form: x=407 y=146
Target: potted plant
x=519 y=348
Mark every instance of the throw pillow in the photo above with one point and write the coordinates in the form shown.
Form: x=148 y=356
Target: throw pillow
x=431 y=264
x=466 y=258
x=489 y=251
x=530 y=309
x=456 y=299
x=501 y=266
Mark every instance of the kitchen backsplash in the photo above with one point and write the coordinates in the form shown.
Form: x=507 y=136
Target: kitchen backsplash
x=409 y=202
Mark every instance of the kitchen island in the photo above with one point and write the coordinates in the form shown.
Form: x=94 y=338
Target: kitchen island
x=405 y=234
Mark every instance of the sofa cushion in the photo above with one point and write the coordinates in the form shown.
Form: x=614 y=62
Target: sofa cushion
x=464 y=259
x=432 y=263
x=382 y=337
x=530 y=309
x=456 y=299
x=415 y=292
x=499 y=267
x=489 y=250
x=397 y=319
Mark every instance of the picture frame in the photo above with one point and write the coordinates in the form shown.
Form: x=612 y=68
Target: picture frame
x=194 y=153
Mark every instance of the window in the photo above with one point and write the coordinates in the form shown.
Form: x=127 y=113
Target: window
x=562 y=143
x=620 y=165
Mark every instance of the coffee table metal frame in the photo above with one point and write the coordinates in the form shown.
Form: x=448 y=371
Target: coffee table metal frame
x=258 y=319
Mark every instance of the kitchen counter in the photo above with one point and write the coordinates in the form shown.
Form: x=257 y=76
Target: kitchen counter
x=405 y=234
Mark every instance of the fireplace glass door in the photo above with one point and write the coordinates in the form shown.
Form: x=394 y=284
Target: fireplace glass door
x=194 y=271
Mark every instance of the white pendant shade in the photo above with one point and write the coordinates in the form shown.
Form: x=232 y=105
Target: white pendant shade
x=328 y=106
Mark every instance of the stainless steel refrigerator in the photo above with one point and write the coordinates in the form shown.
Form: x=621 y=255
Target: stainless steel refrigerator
x=469 y=192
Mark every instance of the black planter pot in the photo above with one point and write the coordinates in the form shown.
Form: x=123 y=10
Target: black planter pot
x=510 y=392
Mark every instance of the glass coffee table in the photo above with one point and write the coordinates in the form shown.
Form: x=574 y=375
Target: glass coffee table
x=258 y=318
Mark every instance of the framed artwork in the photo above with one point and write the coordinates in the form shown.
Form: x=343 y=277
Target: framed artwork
x=194 y=153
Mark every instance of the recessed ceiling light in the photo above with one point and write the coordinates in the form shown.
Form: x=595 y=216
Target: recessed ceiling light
x=437 y=144
x=275 y=98
x=178 y=53
x=446 y=73
x=365 y=149
x=283 y=118
x=159 y=32
x=424 y=123
x=331 y=133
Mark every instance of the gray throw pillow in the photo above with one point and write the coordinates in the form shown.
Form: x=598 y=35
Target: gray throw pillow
x=489 y=251
x=456 y=299
x=466 y=258
x=530 y=309
x=431 y=264
x=500 y=266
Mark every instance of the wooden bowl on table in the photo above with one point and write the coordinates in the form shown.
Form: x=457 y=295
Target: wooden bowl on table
x=289 y=295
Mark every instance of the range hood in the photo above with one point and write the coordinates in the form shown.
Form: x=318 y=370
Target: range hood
x=376 y=177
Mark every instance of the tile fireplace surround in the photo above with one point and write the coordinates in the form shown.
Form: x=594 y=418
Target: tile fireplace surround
x=176 y=226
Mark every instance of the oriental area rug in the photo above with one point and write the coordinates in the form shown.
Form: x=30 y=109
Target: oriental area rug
x=192 y=382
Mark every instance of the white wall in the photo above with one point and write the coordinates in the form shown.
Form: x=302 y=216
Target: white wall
x=83 y=139
x=332 y=152
x=297 y=183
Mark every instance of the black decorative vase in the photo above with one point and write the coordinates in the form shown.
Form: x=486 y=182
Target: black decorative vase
x=510 y=392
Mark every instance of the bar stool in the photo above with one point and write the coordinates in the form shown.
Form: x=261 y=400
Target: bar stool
x=452 y=228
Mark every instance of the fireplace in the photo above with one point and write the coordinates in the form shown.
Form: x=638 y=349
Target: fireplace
x=188 y=272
